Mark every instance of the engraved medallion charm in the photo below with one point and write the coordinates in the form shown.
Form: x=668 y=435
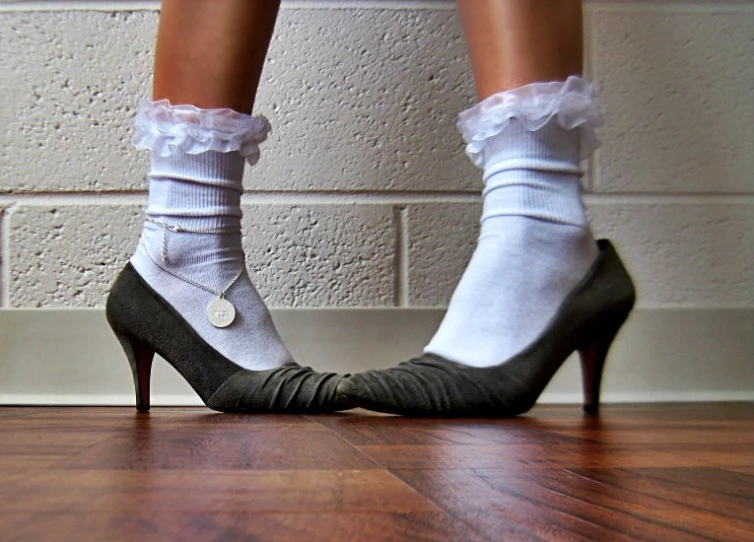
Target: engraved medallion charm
x=221 y=312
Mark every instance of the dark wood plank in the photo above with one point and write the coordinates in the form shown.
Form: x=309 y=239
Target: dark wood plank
x=15 y=412
x=680 y=434
x=303 y=446
x=12 y=467
x=527 y=456
x=28 y=450
x=20 y=442
x=664 y=513
x=640 y=417
x=742 y=470
x=670 y=484
x=659 y=413
x=373 y=430
x=118 y=419
x=504 y=502
x=713 y=482
x=196 y=491
x=135 y=522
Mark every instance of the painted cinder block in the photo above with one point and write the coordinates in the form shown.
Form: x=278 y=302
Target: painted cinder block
x=66 y=256
x=366 y=99
x=321 y=255
x=678 y=90
x=680 y=254
x=303 y=256
x=689 y=255
x=69 y=91
x=442 y=237
x=359 y=99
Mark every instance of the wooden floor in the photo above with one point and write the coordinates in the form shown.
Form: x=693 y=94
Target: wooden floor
x=650 y=472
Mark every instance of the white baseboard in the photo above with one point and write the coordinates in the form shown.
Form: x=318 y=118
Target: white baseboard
x=69 y=356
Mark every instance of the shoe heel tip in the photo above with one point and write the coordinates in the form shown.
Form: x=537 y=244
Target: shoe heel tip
x=592 y=409
x=143 y=408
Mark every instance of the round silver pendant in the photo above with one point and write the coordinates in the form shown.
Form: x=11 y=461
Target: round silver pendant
x=221 y=312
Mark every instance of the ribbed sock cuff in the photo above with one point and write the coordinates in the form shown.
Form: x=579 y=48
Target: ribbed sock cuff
x=551 y=197
x=201 y=191
x=534 y=174
x=551 y=148
x=211 y=168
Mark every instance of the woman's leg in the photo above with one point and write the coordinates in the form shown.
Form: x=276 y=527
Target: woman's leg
x=535 y=243
x=528 y=133
x=210 y=53
x=515 y=42
x=209 y=56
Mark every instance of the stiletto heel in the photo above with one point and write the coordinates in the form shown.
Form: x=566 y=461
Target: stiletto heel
x=593 y=357
x=140 y=357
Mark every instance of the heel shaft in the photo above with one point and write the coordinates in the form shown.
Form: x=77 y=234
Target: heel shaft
x=140 y=358
x=593 y=357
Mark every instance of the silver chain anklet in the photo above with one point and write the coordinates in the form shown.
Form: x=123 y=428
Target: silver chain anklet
x=220 y=312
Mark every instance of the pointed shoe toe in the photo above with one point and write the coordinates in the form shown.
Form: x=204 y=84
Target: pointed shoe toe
x=284 y=389
x=430 y=386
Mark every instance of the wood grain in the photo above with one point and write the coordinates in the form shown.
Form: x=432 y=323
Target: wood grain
x=638 y=472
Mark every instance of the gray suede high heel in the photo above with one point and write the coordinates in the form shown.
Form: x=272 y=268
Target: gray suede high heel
x=587 y=322
x=146 y=324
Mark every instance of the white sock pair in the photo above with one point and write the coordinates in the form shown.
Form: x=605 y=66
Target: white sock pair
x=535 y=243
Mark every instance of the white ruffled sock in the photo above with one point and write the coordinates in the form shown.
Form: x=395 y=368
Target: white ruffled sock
x=192 y=235
x=535 y=243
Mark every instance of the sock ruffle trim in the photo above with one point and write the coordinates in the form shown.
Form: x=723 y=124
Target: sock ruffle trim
x=164 y=129
x=570 y=103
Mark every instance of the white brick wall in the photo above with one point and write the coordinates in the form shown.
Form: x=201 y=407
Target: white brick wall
x=363 y=196
x=679 y=88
